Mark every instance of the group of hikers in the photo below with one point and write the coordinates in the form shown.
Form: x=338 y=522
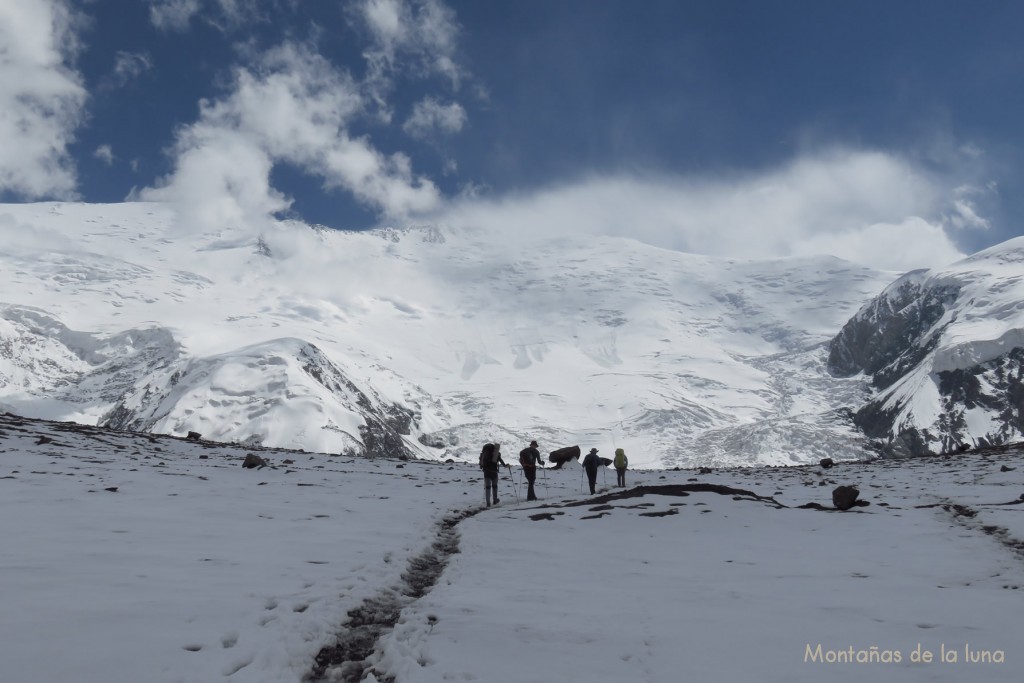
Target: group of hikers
x=491 y=463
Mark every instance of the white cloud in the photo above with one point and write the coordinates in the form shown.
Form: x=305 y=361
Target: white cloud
x=912 y=243
x=176 y=15
x=221 y=181
x=128 y=66
x=429 y=115
x=41 y=98
x=870 y=207
x=105 y=154
x=963 y=214
x=415 y=36
x=172 y=14
x=292 y=106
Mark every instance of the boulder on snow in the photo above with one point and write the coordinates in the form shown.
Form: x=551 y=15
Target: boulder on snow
x=194 y=436
x=605 y=461
x=564 y=455
x=844 y=497
x=826 y=463
x=253 y=461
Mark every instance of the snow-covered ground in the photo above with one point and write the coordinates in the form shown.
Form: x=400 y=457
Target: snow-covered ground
x=129 y=557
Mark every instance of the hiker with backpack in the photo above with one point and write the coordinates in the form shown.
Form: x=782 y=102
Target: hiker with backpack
x=490 y=462
x=620 y=462
x=529 y=457
x=590 y=464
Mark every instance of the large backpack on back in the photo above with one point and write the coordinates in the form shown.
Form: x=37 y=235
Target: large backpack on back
x=488 y=457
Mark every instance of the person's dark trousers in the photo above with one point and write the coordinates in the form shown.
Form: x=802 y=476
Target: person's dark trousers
x=621 y=476
x=490 y=485
x=531 y=476
x=592 y=477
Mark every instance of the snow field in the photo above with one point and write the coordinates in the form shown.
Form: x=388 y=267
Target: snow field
x=724 y=590
x=196 y=570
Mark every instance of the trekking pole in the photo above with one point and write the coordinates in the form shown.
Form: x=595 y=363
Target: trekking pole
x=545 y=471
x=513 y=478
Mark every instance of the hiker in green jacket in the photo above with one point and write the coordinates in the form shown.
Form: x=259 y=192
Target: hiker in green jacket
x=620 y=463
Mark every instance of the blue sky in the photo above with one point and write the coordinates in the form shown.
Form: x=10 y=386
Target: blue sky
x=885 y=132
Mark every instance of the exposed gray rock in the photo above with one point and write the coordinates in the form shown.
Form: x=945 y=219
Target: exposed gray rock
x=896 y=332
x=893 y=332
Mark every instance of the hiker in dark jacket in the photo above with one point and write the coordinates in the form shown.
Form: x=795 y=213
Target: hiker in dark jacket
x=529 y=458
x=590 y=464
x=620 y=462
x=490 y=462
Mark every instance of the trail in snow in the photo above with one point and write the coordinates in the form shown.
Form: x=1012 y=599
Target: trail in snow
x=346 y=660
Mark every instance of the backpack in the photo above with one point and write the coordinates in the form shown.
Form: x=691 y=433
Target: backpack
x=620 y=459
x=526 y=458
x=488 y=457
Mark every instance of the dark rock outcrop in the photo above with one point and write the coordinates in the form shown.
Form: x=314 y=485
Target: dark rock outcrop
x=893 y=332
x=845 y=497
x=895 y=335
x=253 y=461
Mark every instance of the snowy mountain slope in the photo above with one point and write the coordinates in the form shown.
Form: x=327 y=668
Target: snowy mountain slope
x=945 y=351
x=453 y=337
x=51 y=369
x=134 y=557
x=279 y=391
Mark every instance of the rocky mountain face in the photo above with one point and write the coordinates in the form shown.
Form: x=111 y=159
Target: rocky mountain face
x=943 y=351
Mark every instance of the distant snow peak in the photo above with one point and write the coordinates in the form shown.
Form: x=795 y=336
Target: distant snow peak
x=428 y=341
